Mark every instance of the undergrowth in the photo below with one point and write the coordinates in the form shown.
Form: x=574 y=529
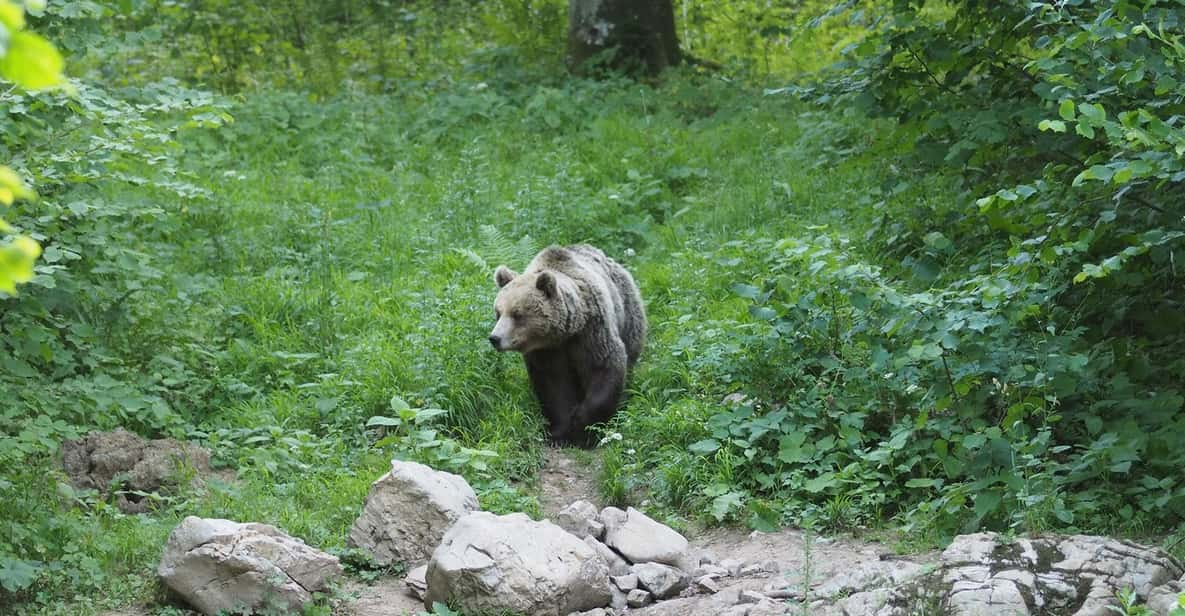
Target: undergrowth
x=298 y=277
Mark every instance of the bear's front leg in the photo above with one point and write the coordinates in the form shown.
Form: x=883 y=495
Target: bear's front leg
x=603 y=386
x=558 y=389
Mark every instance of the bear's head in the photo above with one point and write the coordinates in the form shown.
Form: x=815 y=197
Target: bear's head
x=536 y=310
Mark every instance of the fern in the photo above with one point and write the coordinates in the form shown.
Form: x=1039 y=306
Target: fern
x=496 y=248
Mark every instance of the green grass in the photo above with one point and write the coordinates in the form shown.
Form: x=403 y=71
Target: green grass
x=346 y=257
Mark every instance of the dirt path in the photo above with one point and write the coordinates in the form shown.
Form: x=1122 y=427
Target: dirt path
x=568 y=475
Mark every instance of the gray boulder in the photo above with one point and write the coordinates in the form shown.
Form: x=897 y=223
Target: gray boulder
x=407 y=512
x=219 y=565
x=641 y=539
x=663 y=581
x=510 y=563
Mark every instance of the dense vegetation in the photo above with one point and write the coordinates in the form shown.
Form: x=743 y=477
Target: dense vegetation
x=935 y=256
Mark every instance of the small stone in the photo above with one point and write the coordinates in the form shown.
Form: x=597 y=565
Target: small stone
x=732 y=566
x=625 y=583
x=580 y=519
x=417 y=582
x=750 y=596
x=707 y=558
x=618 y=599
x=663 y=581
x=753 y=570
x=638 y=598
x=707 y=584
x=767 y=607
x=710 y=571
x=600 y=611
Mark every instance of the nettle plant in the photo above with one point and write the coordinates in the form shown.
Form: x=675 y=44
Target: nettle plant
x=410 y=432
x=978 y=403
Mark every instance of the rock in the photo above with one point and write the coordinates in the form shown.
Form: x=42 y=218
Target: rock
x=617 y=564
x=753 y=570
x=873 y=574
x=417 y=582
x=625 y=583
x=710 y=571
x=638 y=598
x=510 y=563
x=619 y=599
x=707 y=584
x=407 y=512
x=708 y=558
x=985 y=574
x=1164 y=598
x=94 y=461
x=663 y=581
x=580 y=519
x=749 y=596
x=218 y=565
x=737 y=399
x=600 y=611
x=732 y=565
x=641 y=539
x=767 y=607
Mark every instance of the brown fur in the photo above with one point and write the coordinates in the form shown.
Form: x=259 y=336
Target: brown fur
x=577 y=317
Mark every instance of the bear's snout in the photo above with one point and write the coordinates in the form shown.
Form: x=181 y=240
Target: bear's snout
x=496 y=341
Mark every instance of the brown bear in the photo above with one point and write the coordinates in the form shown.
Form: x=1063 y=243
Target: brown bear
x=577 y=318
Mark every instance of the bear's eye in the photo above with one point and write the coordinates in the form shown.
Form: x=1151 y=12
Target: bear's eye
x=497 y=314
x=516 y=315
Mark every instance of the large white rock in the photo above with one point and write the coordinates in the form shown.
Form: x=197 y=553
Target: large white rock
x=218 y=565
x=491 y=564
x=407 y=512
x=641 y=539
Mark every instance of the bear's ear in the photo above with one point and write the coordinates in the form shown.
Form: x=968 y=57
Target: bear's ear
x=503 y=275
x=546 y=283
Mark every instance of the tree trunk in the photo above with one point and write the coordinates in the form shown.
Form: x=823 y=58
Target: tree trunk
x=639 y=35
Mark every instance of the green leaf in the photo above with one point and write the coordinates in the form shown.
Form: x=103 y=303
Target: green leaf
x=820 y=483
x=704 y=447
x=1092 y=112
x=1056 y=126
x=747 y=291
x=1066 y=110
x=399 y=404
x=16 y=574
x=379 y=420
x=986 y=503
x=422 y=415
x=31 y=62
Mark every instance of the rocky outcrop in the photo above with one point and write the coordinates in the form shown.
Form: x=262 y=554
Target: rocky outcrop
x=407 y=512
x=144 y=466
x=218 y=565
x=489 y=564
x=984 y=573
